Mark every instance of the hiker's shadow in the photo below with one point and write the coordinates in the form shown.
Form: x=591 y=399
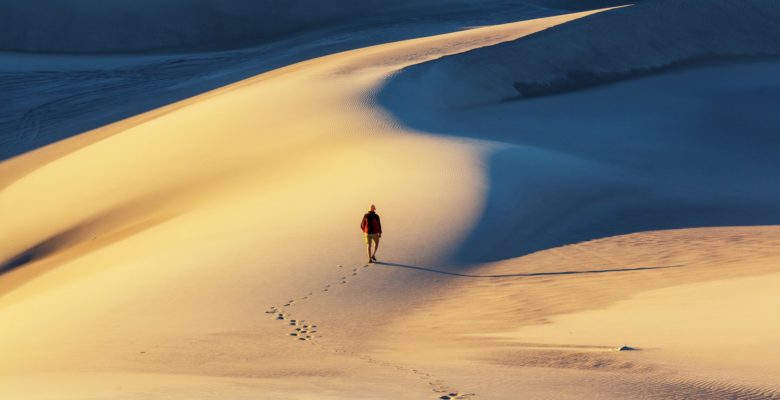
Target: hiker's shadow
x=522 y=275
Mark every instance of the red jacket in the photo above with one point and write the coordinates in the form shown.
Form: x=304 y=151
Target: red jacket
x=371 y=224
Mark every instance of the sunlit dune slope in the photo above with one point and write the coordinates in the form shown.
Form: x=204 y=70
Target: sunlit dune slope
x=192 y=220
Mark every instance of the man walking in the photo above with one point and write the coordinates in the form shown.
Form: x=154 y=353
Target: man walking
x=372 y=229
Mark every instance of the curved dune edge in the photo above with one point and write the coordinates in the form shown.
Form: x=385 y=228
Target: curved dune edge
x=176 y=235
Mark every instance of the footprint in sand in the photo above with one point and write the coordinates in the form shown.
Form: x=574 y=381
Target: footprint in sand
x=303 y=335
x=455 y=396
x=444 y=392
x=450 y=394
x=303 y=331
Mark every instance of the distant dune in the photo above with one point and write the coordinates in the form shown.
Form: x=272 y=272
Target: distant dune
x=124 y=58
x=617 y=44
x=117 y=26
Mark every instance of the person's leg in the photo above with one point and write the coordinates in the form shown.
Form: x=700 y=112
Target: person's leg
x=368 y=246
x=376 y=246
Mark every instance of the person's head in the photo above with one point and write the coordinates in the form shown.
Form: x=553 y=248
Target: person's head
x=372 y=208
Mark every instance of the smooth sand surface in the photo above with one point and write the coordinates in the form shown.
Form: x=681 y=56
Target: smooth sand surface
x=174 y=254
x=696 y=304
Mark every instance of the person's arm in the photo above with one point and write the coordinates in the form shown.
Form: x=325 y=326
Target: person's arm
x=363 y=224
x=379 y=225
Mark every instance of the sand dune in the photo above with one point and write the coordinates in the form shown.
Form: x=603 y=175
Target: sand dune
x=48 y=97
x=695 y=149
x=622 y=43
x=229 y=200
x=703 y=323
x=209 y=248
x=122 y=26
x=198 y=24
x=679 y=148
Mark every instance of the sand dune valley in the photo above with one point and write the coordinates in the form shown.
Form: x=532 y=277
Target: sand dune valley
x=579 y=199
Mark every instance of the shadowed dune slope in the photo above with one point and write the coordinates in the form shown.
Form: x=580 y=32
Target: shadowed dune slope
x=114 y=26
x=618 y=44
x=88 y=26
x=124 y=58
x=688 y=147
x=48 y=97
x=127 y=57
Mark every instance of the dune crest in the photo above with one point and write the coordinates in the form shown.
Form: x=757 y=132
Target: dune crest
x=622 y=43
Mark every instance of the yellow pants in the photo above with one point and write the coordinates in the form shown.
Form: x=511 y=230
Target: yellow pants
x=372 y=237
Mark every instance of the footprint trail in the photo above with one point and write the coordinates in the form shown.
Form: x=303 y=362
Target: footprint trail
x=307 y=331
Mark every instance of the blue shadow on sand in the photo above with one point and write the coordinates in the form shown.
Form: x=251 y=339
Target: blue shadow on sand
x=52 y=103
x=695 y=147
x=524 y=275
